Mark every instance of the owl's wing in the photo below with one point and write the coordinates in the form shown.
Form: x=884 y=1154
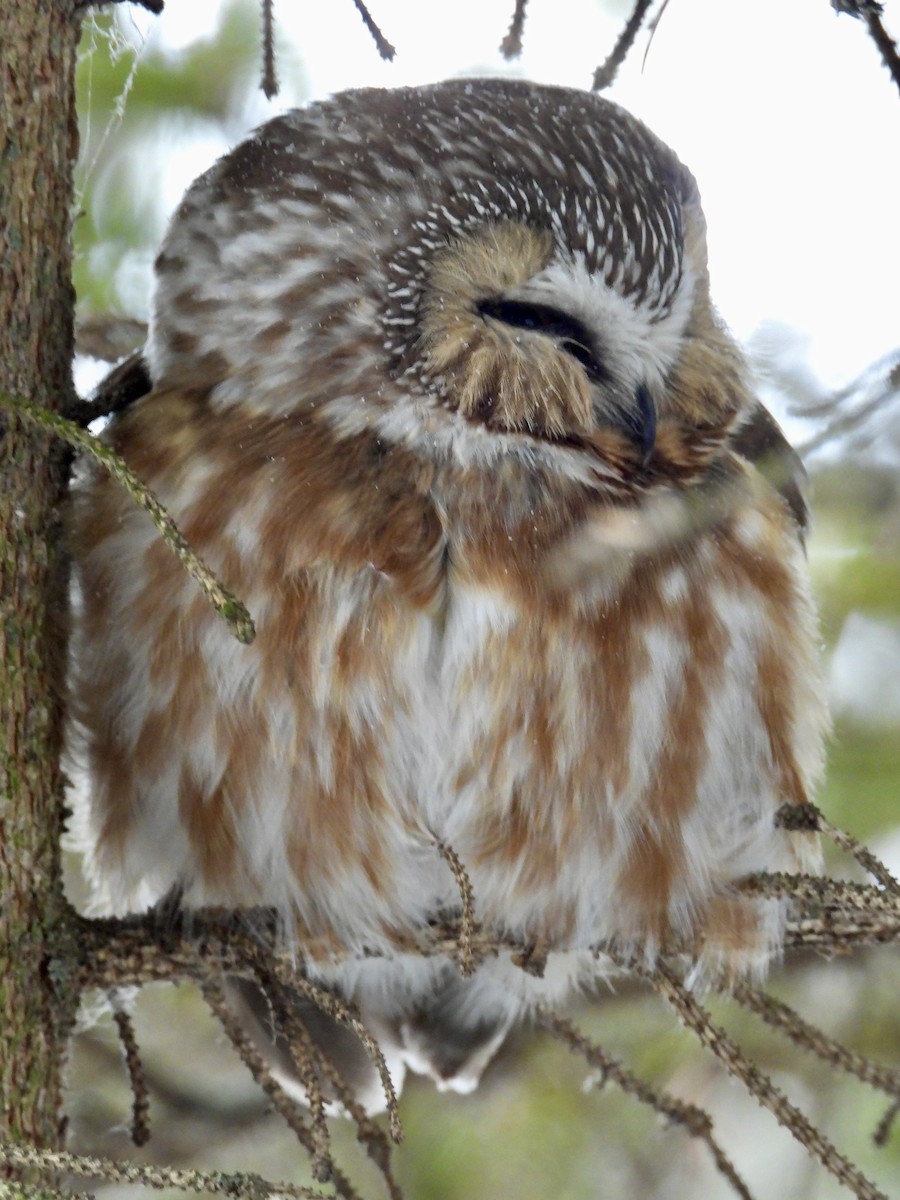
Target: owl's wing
x=760 y=441
x=124 y=384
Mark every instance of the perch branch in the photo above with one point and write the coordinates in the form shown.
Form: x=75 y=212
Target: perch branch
x=828 y=914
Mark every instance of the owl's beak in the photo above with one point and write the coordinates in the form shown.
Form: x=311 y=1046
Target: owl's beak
x=638 y=421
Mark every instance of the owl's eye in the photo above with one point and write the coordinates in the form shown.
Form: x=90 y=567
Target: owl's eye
x=574 y=336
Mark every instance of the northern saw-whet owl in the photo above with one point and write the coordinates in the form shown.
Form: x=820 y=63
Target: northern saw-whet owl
x=436 y=387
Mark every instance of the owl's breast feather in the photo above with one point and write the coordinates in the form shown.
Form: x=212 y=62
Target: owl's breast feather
x=601 y=766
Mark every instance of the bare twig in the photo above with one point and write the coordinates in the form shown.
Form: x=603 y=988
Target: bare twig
x=140 y=1112
x=344 y=1013
x=385 y=49
x=781 y=1016
x=870 y=11
x=652 y=28
x=307 y=1061
x=866 y=859
x=858 y=413
x=689 y=1116
x=229 y=608
x=304 y=1059
x=269 y=81
x=606 y=73
x=887 y=47
x=283 y=1104
x=848 y=420
x=883 y=1131
x=378 y=1147
x=807 y=818
x=711 y=1035
x=816 y=892
x=511 y=46
x=464 y=958
x=234 y=1184
x=830 y=915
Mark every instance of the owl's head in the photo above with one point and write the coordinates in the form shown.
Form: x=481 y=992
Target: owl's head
x=481 y=266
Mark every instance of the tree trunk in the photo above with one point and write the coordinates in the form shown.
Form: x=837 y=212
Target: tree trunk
x=38 y=142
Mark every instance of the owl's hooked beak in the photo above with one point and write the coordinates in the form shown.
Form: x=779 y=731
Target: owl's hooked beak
x=640 y=422
x=634 y=419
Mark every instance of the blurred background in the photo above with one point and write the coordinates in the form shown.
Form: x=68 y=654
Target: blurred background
x=791 y=125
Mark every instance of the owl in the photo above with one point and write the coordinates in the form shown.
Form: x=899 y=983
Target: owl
x=435 y=385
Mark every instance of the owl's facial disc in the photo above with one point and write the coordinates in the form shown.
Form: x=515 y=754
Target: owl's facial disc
x=505 y=353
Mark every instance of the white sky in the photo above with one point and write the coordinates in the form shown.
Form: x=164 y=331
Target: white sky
x=780 y=107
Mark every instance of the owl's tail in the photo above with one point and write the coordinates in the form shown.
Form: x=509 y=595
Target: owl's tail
x=431 y=1037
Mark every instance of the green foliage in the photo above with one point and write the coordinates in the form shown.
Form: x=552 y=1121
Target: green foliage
x=862 y=786
x=202 y=79
x=128 y=100
x=856 y=568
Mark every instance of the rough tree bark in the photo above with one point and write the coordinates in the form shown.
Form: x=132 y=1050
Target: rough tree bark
x=38 y=142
